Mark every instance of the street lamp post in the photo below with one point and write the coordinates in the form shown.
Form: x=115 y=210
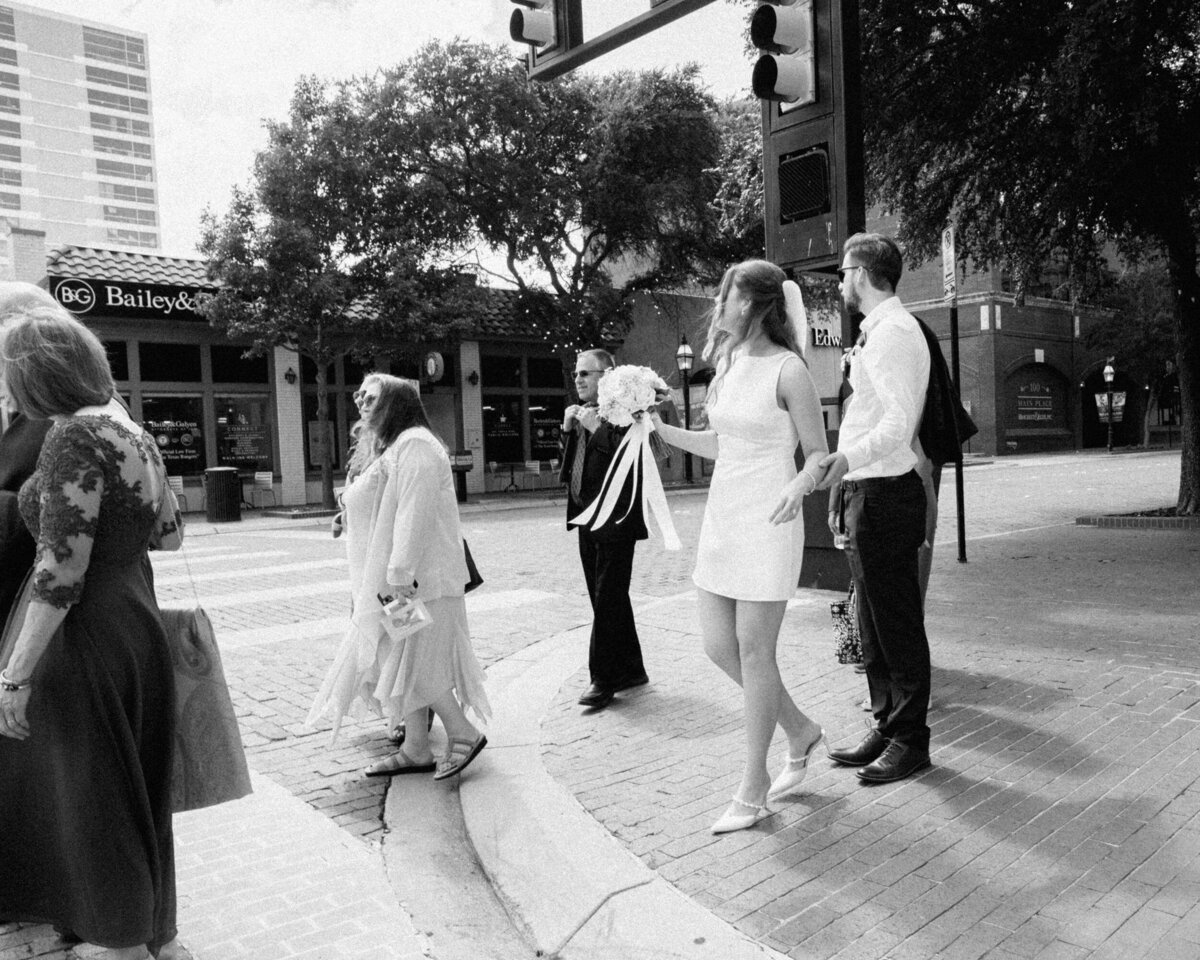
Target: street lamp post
x=683 y=360
x=1109 y=374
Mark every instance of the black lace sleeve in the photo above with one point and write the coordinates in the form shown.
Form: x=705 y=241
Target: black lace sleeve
x=71 y=483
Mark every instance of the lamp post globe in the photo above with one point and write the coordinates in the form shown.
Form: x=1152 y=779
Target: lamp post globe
x=683 y=360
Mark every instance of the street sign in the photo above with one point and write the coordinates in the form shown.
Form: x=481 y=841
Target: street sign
x=1118 y=410
x=949 y=266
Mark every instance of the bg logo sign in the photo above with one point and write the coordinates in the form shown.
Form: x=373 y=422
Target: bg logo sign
x=75 y=295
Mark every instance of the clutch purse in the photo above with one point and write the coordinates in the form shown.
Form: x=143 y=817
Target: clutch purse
x=402 y=618
x=848 y=644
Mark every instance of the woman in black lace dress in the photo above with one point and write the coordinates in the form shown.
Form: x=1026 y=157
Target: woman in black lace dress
x=87 y=689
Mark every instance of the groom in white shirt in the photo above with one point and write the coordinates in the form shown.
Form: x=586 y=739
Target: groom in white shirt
x=878 y=501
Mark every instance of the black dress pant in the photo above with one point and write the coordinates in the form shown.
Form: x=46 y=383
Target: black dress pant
x=614 y=656
x=885 y=524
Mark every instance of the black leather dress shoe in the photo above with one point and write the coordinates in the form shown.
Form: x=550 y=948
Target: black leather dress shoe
x=596 y=696
x=630 y=683
x=897 y=762
x=870 y=749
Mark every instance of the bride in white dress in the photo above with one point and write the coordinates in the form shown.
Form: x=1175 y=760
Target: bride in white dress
x=761 y=404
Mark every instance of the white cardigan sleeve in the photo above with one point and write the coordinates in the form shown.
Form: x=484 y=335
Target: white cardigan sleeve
x=412 y=486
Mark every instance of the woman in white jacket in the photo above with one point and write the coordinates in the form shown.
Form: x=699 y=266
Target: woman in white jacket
x=403 y=540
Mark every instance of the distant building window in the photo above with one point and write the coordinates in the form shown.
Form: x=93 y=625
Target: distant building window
x=10 y=128
x=115 y=78
x=133 y=238
x=143 y=218
x=10 y=201
x=10 y=152
x=10 y=81
x=8 y=56
x=138 y=128
x=126 y=171
x=10 y=105
x=123 y=148
x=11 y=178
x=113 y=48
x=7 y=29
x=130 y=194
x=117 y=101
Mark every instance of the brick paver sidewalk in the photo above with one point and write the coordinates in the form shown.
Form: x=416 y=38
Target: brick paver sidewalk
x=1060 y=818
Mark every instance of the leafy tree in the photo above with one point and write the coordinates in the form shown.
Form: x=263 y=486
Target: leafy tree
x=288 y=255
x=588 y=189
x=1044 y=128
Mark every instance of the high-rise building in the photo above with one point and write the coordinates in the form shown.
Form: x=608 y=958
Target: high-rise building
x=76 y=135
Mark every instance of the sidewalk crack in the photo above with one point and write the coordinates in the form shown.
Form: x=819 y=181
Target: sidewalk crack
x=586 y=920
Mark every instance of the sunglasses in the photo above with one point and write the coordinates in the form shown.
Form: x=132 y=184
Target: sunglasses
x=842 y=271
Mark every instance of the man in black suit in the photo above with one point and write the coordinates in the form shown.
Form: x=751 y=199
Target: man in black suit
x=20 y=444
x=589 y=446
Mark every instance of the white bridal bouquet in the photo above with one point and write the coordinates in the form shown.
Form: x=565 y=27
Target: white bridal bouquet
x=627 y=392
x=624 y=395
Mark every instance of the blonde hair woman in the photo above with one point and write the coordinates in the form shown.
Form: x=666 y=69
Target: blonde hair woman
x=403 y=539
x=762 y=403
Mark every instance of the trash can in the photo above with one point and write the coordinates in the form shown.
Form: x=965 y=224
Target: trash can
x=222 y=494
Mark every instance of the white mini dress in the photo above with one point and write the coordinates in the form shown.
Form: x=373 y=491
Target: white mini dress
x=741 y=555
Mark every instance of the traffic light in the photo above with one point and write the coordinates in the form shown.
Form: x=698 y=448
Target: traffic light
x=534 y=24
x=786 y=72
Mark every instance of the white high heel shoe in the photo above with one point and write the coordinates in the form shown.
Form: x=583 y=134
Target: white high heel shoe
x=793 y=772
x=731 y=821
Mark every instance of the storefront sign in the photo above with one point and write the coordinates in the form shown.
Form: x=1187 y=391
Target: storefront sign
x=245 y=446
x=1036 y=400
x=144 y=301
x=180 y=444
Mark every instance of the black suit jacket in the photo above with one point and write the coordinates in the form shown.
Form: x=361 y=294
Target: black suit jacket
x=20 y=445
x=601 y=449
x=945 y=424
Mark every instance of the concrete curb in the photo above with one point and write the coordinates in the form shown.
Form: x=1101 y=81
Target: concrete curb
x=576 y=892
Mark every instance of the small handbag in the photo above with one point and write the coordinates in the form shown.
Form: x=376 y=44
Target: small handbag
x=472 y=570
x=210 y=763
x=848 y=644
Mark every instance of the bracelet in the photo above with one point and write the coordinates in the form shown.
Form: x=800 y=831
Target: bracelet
x=812 y=479
x=11 y=685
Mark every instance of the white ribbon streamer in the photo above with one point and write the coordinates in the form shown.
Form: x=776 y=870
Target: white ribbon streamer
x=634 y=447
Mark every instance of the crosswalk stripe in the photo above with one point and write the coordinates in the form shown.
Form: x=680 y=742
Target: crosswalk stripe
x=248 y=572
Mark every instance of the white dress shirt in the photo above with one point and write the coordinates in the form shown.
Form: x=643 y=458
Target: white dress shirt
x=889 y=374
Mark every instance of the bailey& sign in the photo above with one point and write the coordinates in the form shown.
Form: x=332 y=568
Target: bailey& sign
x=138 y=300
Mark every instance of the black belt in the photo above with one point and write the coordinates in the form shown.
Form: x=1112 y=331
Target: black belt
x=868 y=482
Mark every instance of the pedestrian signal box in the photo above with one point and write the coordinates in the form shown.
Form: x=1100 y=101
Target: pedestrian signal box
x=808 y=80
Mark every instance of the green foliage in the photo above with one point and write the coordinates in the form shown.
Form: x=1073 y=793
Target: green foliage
x=1139 y=330
x=589 y=189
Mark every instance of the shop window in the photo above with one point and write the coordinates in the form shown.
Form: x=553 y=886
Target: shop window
x=169 y=362
x=230 y=366
x=501 y=371
x=308 y=372
x=546 y=372
x=545 y=425
x=312 y=433
x=244 y=433
x=118 y=358
x=502 y=434
x=353 y=371
x=176 y=423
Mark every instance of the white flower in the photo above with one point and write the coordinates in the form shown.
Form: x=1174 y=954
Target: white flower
x=625 y=391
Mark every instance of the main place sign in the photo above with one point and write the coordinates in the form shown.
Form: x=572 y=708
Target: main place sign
x=136 y=300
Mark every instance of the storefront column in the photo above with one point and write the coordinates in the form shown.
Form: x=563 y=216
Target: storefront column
x=289 y=413
x=472 y=410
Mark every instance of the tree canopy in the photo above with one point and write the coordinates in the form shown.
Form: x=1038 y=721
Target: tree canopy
x=587 y=189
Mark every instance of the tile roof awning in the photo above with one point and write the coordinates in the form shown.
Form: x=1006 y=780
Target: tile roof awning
x=97 y=263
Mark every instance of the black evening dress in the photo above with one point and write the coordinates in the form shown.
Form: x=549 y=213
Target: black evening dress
x=85 y=817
